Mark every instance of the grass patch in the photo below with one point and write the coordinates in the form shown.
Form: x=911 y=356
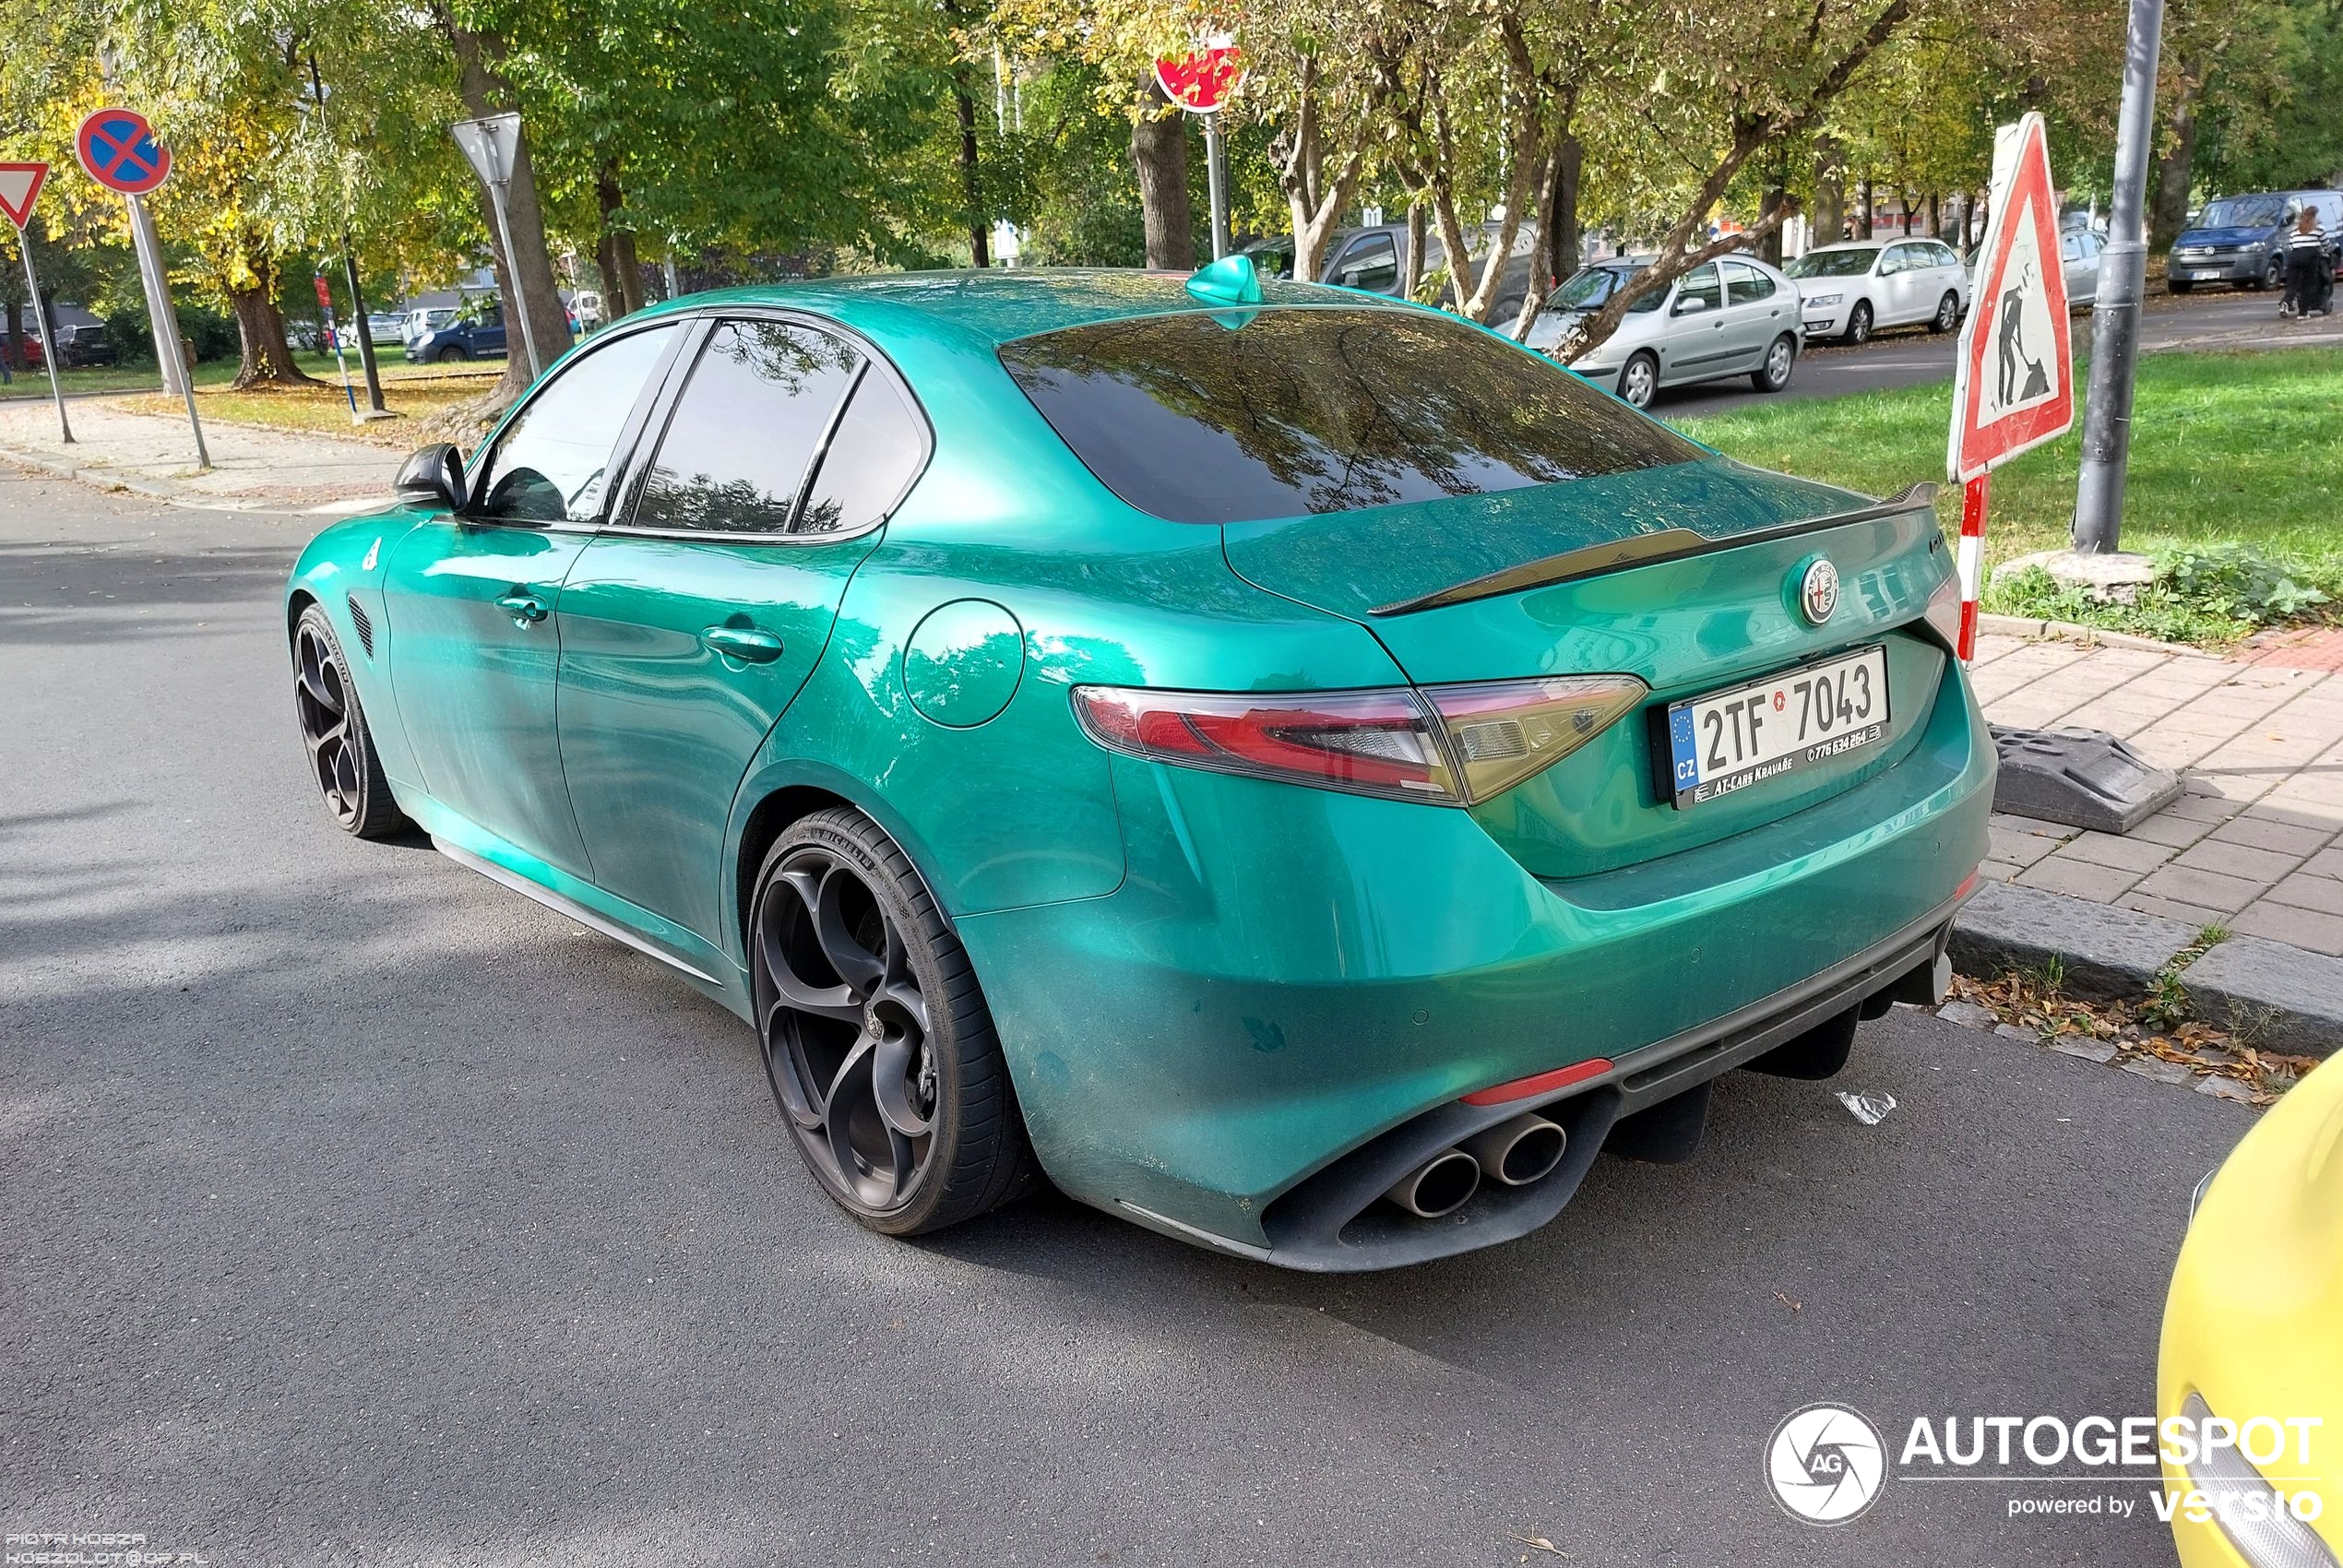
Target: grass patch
x=2228 y=450
x=220 y=372
x=325 y=410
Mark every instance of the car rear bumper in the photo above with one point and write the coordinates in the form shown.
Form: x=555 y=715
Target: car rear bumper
x=1292 y=987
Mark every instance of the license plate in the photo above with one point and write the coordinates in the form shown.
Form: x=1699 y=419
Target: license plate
x=2206 y=275
x=1730 y=739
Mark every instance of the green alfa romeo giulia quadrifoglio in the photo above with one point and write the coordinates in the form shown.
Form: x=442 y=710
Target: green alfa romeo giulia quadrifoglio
x=1298 y=770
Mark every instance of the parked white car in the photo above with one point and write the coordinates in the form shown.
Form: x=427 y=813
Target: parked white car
x=1732 y=317
x=1853 y=289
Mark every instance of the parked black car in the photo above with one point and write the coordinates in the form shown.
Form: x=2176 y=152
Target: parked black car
x=2241 y=240
x=78 y=347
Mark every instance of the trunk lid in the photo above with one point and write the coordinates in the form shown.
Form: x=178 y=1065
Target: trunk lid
x=1684 y=624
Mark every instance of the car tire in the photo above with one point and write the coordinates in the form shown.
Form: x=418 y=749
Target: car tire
x=1858 y=325
x=1640 y=379
x=449 y=354
x=342 y=763
x=1947 y=315
x=2273 y=273
x=2177 y=285
x=1780 y=356
x=877 y=1042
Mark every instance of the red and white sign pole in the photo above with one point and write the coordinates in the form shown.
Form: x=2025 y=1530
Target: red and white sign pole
x=20 y=188
x=2027 y=394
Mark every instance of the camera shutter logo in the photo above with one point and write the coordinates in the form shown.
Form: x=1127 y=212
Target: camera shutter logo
x=1826 y=1464
x=1818 y=591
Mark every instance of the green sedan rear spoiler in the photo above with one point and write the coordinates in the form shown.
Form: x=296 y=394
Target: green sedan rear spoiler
x=1643 y=550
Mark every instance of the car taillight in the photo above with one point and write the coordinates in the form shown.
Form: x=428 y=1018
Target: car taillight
x=1448 y=745
x=1943 y=614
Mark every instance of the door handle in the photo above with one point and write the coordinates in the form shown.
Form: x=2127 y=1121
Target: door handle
x=526 y=608
x=743 y=642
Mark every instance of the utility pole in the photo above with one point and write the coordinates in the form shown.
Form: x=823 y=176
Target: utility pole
x=2115 y=314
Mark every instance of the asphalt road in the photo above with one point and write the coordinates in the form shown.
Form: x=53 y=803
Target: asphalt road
x=1912 y=356
x=360 y=1210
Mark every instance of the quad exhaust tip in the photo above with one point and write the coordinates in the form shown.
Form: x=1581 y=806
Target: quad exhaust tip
x=1518 y=1152
x=1441 y=1184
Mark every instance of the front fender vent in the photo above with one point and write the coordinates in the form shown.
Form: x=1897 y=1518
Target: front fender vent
x=364 y=627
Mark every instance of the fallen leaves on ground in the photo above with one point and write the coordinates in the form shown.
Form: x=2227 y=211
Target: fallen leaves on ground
x=2027 y=1001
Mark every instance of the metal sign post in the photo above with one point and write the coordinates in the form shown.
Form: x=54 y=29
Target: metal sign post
x=1216 y=179
x=491 y=143
x=20 y=188
x=325 y=310
x=119 y=150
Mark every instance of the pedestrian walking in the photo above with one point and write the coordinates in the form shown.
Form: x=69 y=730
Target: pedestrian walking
x=2309 y=283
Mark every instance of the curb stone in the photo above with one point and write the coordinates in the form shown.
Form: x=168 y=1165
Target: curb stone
x=2073 y=632
x=2271 y=995
x=2105 y=953
x=2282 y=997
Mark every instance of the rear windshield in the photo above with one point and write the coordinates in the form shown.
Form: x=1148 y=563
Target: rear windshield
x=1302 y=411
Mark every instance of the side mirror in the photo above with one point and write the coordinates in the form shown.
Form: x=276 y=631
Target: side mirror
x=434 y=477
x=1691 y=303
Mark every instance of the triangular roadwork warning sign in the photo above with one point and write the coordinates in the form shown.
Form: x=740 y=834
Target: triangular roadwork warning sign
x=20 y=188
x=2013 y=382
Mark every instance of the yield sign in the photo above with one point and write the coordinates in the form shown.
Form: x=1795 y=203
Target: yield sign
x=20 y=188
x=2014 y=383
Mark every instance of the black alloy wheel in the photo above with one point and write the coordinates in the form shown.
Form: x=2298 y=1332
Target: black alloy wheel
x=876 y=1039
x=333 y=728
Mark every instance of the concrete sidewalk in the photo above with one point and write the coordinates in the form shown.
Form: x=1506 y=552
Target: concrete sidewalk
x=252 y=470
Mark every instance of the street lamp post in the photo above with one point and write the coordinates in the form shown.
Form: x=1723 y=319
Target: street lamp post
x=2115 y=313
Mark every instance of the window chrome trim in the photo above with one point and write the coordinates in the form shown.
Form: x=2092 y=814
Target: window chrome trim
x=663 y=414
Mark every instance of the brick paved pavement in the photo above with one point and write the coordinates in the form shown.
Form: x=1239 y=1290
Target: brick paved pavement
x=2253 y=845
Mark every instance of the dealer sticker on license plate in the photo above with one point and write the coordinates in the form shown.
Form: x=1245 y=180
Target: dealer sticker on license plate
x=1728 y=740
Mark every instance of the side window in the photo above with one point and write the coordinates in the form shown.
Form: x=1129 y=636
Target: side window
x=1372 y=263
x=551 y=464
x=872 y=454
x=750 y=418
x=1744 y=285
x=1898 y=258
x=1700 y=283
x=1946 y=256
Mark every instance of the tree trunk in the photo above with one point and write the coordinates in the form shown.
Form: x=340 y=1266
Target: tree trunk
x=264 y=358
x=1769 y=244
x=2168 y=213
x=1419 y=233
x=14 y=350
x=630 y=268
x=971 y=180
x=1830 y=192
x=609 y=198
x=1936 y=216
x=525 y=276
x=1160 y=153
x=1862 y=208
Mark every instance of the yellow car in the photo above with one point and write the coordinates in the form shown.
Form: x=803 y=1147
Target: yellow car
x=2249 y=1389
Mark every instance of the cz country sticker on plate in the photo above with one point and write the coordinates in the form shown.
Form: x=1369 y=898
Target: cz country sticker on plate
x=1725 y=740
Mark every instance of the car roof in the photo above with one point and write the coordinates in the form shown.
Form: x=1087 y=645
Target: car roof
x=993 y=305
x=1861 y=245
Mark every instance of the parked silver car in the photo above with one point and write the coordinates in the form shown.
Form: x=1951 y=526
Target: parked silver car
x=1732 y=317
x=1854 y=289
x=2078 y=253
